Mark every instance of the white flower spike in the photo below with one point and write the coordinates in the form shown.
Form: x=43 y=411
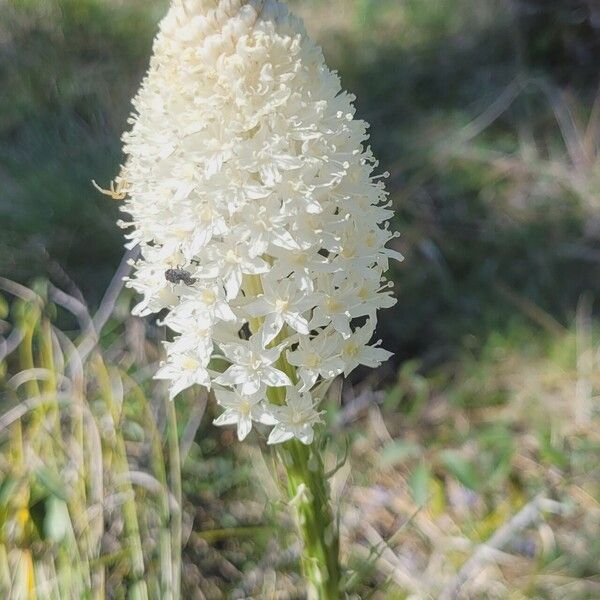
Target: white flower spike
x=263 y=229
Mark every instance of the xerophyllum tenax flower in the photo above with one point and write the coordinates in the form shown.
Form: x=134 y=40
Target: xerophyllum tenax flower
x=262 y=226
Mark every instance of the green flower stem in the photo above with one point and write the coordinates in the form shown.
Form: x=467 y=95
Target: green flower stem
x=309 y=494
x=308 y=491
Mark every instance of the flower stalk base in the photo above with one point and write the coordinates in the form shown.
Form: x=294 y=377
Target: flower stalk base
x=318 y=527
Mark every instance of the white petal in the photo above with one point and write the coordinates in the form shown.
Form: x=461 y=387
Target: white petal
x=259 y=307
x=244 y=427
x=393 y=254
x=271 y=327
x=308 y=378
x=255 y=266
x=227 y=418
x=373 y=357
x=283 y=239
x=165 y=372
x=178 y=386
x=342 y=324
x=306 y=435
x=249 y=387
x=264 y=416
x=234 y=352
x=279 y=435
x=224 y=312
x=332 y=367
x=275 y=377
x=233 y=283
x=226 y=398
x=298 y=323
x=234 y=375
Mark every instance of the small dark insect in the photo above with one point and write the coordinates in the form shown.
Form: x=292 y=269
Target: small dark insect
x=178 y=276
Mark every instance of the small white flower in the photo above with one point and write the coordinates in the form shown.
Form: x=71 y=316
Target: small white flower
x=230 y=260
x=300 y=264
x=184 y=370
x=263 y=227
x=317 y=357
x=252 y=366
x=373 y=294
x=337 y=305
x=356 y=351
x=206 y=302
x=295 y=419
x=242 y=410
x=280 y=303
x=196 y=333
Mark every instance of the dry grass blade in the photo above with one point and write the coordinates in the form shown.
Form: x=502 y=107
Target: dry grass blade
x=66 y=451
x=526 y=517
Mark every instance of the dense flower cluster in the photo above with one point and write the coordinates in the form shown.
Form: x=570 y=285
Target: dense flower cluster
x=262 y=228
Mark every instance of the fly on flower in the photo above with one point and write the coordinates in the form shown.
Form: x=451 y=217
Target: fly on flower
x=179 y=276
x=245 y=159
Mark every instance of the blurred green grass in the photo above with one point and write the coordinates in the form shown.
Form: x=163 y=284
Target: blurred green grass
x=487 y=117
x=70 y=69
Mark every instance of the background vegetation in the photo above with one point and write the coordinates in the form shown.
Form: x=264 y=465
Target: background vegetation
x=484 y=429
